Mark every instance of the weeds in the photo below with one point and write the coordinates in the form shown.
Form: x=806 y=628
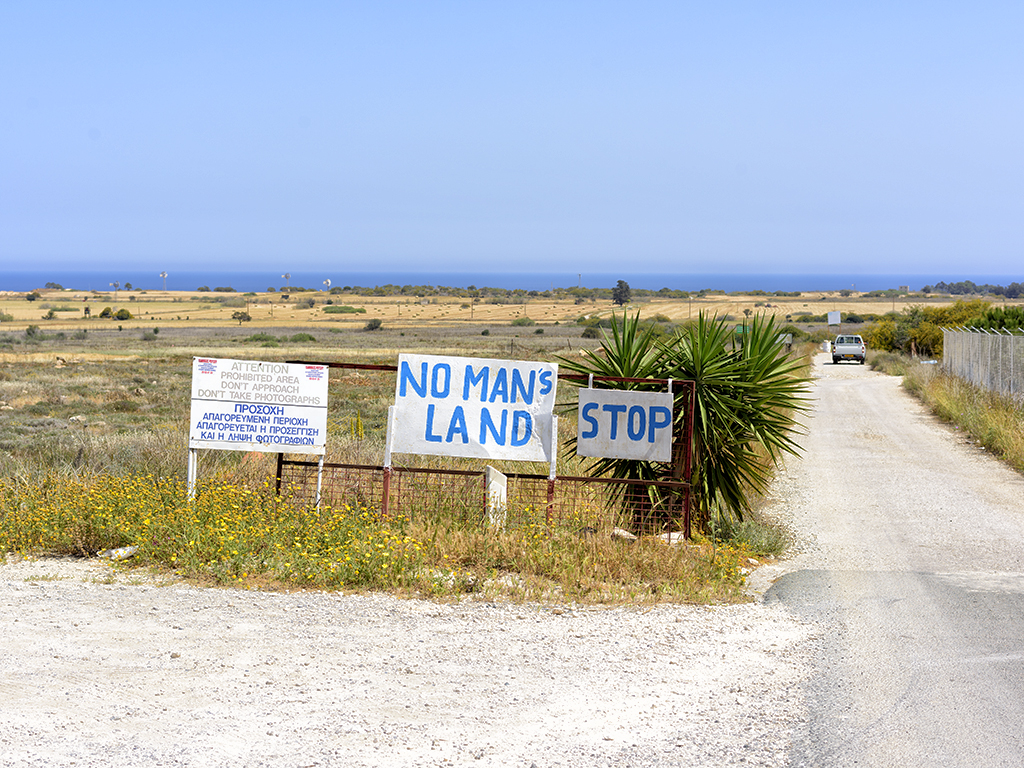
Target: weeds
x=992 y=420
x=245 y=534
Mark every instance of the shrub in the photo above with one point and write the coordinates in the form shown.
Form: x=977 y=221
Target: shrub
x=746 y=399
x=591 y=332
x=344 y=309
x=375 y=324
x=122 y=314
x=520 y=322
x=485 y=332
x=301 y=337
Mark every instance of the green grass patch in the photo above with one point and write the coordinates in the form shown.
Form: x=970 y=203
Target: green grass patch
x=343 y=309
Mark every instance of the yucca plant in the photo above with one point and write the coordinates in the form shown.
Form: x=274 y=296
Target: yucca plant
x=630 y=351
x=746 y=400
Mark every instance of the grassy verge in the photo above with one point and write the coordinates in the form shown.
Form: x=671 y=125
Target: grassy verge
x=245 y=535
x=92 y=455
x=991 y=420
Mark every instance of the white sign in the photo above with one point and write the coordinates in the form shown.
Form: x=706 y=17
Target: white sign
x=622 y=424
x=475 y=408
x=833 y=318
x=245 y=405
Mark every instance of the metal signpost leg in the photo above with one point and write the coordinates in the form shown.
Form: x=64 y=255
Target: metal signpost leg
x=193 y=460
x=319 y=481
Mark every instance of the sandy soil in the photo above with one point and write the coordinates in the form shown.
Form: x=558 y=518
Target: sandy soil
x=99 y=667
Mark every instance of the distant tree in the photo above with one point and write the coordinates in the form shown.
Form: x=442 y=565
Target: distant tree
x=54 y=286
x=241 y=317
x=106 y=312
x=127 y=286
x=123 y=314
x=621 y=293
x=203 y=289
x=32 y=296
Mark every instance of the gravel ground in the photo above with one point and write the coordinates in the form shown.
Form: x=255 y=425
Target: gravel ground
x=104 y=668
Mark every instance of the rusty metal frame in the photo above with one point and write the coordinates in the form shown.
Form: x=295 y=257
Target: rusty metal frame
x=682 y=464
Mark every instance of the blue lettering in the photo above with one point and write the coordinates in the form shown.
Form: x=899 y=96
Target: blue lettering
x=585 y=413
x=500 y=386
x=614 y=410
x=656 y=423
x=517 y=383
x=527 y=420
x=470 y=380
x=545 y=382
x=405 y=376
x=429 y=434
x=458 y=425
x=435 y=390
x=631 y=422
x=487 y=424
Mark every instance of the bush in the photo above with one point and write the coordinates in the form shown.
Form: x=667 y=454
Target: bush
x=520 y=322
x=485 y=332
x=591 y=332
x=224 y=289
x=122 y=314
x=344 y=309
x=300 y=337
x=374 y=325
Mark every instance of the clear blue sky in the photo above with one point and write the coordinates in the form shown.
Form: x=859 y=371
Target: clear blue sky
x=663 y=136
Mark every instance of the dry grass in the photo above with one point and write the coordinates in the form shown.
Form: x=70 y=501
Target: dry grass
x=187 y=309
x=109 y=403
x=993 y=421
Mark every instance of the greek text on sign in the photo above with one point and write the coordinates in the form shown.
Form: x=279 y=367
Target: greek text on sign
x=621 y=424
x=474 y=407
x=245 y=405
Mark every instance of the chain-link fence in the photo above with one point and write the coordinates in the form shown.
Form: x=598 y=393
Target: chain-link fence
x=993 y=360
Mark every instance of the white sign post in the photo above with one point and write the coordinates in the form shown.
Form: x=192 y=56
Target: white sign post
x=624 y=424
x=474 y=408
x=834 y=317
x=247 y=405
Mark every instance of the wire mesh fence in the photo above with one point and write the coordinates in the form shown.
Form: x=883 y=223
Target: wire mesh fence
x=460 y=496
x=992 y=360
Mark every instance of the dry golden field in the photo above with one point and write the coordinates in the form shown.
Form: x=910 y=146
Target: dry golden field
x=183 y=309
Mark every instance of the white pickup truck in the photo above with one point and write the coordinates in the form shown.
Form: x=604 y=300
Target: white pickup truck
x=849 y=348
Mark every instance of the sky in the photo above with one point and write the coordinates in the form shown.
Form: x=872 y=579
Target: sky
x=876 y=137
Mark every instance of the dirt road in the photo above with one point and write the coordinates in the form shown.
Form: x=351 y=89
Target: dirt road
x=914 y=570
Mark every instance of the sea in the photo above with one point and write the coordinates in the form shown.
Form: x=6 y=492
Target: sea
x=244 y=281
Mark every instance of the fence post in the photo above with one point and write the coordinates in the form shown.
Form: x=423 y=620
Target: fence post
x=386 y=490
x=550 y=511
